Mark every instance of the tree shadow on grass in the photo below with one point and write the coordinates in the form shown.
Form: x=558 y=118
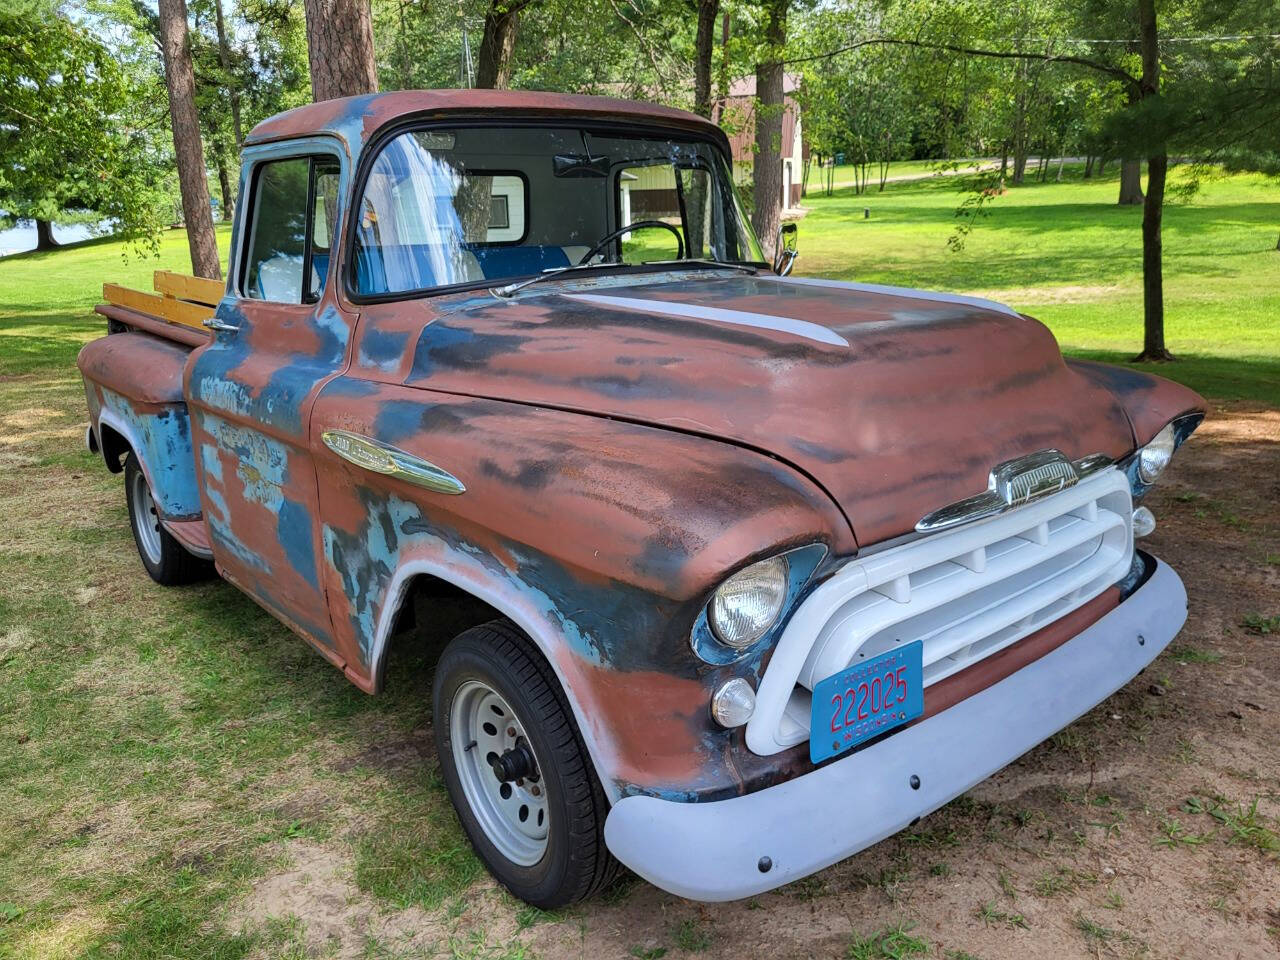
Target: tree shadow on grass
x=1251 y=379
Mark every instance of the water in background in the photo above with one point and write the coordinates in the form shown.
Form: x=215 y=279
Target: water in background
x=23 y=236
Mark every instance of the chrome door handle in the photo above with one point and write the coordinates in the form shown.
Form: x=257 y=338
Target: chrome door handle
x=213 y=323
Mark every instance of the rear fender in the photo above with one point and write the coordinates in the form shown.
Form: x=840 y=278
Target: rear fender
x=133 y=386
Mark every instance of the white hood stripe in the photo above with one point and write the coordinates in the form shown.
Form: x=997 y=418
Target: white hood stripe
x=741 y=318
x=904 y=292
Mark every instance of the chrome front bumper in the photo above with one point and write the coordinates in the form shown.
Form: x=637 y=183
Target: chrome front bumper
x=716 y=851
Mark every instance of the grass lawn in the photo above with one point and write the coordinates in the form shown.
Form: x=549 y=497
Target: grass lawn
x=1069 y=255
x=164 y=753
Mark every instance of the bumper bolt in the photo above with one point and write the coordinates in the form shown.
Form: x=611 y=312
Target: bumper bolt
x=915 y=782
x=765 y=864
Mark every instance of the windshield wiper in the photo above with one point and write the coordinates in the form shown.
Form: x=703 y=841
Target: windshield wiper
x=511 y=289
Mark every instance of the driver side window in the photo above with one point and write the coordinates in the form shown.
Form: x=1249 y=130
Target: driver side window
x=294 y=205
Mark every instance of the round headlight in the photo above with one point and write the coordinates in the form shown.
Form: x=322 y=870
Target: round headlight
x=747 y=604
x=1155 y=456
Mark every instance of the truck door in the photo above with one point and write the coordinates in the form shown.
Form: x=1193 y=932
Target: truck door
x=280 y=334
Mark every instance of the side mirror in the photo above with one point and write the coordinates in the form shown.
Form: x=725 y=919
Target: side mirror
x=784 y=251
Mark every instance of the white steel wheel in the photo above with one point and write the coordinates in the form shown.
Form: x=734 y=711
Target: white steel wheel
x=165 y=559
x=146 y=522
x=499 y=774
x=516 y=769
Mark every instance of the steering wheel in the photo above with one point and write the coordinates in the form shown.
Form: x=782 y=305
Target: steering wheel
x=638 y=225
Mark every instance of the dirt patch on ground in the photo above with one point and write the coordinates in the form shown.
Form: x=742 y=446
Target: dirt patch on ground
x=1066 y=293
x=1146 y=829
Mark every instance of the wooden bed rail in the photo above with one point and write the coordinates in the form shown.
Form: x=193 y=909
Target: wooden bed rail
x=179 y=299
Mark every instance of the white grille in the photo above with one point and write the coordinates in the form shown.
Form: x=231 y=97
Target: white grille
x=965 y=593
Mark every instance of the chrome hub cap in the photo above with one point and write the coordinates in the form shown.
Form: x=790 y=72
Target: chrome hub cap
x=145 y=518
x=484 y=730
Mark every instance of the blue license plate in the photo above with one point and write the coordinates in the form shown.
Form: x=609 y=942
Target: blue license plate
x=866 y=699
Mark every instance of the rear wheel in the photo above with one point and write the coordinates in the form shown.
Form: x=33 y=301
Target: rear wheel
x=166 y=560
x=516 y=769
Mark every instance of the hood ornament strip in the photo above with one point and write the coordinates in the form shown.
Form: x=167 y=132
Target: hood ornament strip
x=391 y=461
x=742 y=318
x=1014 y=483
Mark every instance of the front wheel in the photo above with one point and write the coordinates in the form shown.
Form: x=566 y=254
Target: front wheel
x=516 y=769
x=166 y=560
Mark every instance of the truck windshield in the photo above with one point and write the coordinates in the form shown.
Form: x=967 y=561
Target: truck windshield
x=493 y=204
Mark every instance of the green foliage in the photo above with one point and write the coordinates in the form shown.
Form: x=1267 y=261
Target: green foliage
x=689 y=935
x=75 y=143
x=1257 y=623
x=895 y=943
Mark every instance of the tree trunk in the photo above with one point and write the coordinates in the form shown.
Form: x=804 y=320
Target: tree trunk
x=233 y=89
x=1102 y=163
x=44 y=236
x=1088 y=167
x=1061 y=162
x=767 y=172
x=722 y=78
x=493 y=64
x=1130 y=182
x=340 y=48
x=224 y=186
x=704 y=44
x=1004 y=159
x=1153 y=347
x=187 y=148
x=1021 y=139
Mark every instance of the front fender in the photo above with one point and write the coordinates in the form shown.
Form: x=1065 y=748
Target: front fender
x=1148 y=401
x=601 y=539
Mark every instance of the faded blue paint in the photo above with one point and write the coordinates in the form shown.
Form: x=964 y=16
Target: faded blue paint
x=209 y=458
x=383 y=349
x=262 y=465
x=398 y=419
x=293 y=529
x=366 y=562
x=163 y=442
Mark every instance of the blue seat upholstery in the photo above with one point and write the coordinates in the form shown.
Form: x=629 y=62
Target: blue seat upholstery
x=320 y=268
x=503 y=261
x=416 y=259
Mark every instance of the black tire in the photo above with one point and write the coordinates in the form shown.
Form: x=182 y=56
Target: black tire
x=576 y=863
x=165 y=559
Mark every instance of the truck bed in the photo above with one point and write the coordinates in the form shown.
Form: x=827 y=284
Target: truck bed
x=133 y=384
x=176 y=311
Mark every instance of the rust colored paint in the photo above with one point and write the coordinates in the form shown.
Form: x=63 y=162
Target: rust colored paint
x=153 y=325
x=1149 y=401
x=143 y=368
x=625 y=444
x=355 y=120
x=580 y=530
x=948 y=692
x=915 y=412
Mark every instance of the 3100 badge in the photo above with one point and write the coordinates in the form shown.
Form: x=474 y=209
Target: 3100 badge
x=865 y=700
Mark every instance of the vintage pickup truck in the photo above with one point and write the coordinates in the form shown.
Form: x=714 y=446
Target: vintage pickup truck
x=764 y=569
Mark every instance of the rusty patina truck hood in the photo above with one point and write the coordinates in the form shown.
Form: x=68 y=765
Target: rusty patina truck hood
x=894 y=401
